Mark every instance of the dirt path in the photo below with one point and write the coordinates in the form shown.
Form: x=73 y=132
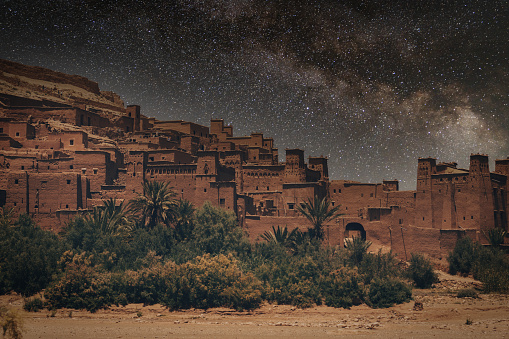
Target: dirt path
x=443 y=316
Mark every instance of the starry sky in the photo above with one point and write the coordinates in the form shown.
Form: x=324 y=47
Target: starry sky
x=373 y=85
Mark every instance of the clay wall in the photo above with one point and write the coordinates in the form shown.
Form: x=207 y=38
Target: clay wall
x=262 y=178
x=96 y=166
x=353 y=197
x=49 y=192
x=71 y=140
x=16 y=187
x=42 y=144
x=173 y=156
x=20 y=162
x=20 y=130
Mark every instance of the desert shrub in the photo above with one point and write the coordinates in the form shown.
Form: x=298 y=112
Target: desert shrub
x=33 y=304
x=467 y=293
x=216 y=231
x=421 y=271
x=379 y=265
x=291 y=280
x=387 y=292
x=210 y=282
x=81 y=286
x=494 y=279
x=28 y=257
x=11 y=322
x=463 y=257
x=343 y=288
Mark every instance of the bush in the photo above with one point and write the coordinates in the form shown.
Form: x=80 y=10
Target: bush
x=210 y=282
x=421 y=271
x=343 y=288
x=467 y=293
x=33 y=305
x=385 y=293
x=28 y=257
x=462 y=259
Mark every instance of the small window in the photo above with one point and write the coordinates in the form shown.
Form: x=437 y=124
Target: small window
x=257 y=188
x=1 y=129
x=68 y=182
x=291 y=206
x=463 y=218
x=333 y=204
x=472 y=217
x=205 y=190
x=16 y=181
x=339 y=190
x=66 y=206
x=71 y=166
x=71 y=142
x=17 y=134
x=268 y=188
x=334 y=190
x=422 y=218
x=221 y=202
x=22 y=167
x=95 y=170
x=371 y=195
x=84 y=170
x=151 y=158
x=400 y=221
x=362 y=195
x=459 y=189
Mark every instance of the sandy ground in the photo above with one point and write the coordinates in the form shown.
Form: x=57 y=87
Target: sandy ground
x=443 y=316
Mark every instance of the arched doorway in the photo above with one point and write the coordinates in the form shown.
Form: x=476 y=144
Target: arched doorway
x=354 y=229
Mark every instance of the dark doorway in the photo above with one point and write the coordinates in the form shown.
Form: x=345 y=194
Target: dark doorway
x=354 y=229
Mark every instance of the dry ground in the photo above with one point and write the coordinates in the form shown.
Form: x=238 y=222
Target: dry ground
x=443 y=316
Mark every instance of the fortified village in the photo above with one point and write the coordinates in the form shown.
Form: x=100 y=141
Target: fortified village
x=65 y=146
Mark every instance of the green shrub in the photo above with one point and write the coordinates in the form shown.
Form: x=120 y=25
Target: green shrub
x=28 y=257
x=343 y=288
x=33 y=305
x=210 y=282
x=380 y=265
x=387 y=292
x=462 y=259
x=467 y=293
x=421 y=271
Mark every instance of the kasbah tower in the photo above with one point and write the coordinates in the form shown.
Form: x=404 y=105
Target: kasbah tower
x=65 y=149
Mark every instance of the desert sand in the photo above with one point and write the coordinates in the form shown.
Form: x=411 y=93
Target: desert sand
x=443 y=316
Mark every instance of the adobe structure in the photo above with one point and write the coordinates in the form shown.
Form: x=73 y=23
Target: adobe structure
x=65 y=146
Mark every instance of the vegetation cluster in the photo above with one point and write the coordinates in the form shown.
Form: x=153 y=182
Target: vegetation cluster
x=488 y=264
x=160 y=250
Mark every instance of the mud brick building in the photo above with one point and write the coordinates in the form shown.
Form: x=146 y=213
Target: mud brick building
x=59 y=159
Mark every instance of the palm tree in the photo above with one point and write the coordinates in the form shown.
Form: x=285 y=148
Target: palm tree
x=280 y=235
x=184 y=219
x=109 y=218
x=357 y=249
x=156 y=204
x=318 y=212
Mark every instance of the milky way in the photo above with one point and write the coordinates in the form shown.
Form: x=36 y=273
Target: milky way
x=373 y=85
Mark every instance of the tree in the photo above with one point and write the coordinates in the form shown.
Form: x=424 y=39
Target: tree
x=357 y=249
x=109 y=218
x=318 y=212
x=184 y=212
x=156 y=205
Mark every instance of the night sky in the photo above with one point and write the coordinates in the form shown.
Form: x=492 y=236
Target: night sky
x=373 y=85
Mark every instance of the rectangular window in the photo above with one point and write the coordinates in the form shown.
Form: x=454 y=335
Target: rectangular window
x=222 y=202
x=68 y=182
x=205 y=190
x=71 y=142
x=291 y=206
x=17 y=134
x=16 y=181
